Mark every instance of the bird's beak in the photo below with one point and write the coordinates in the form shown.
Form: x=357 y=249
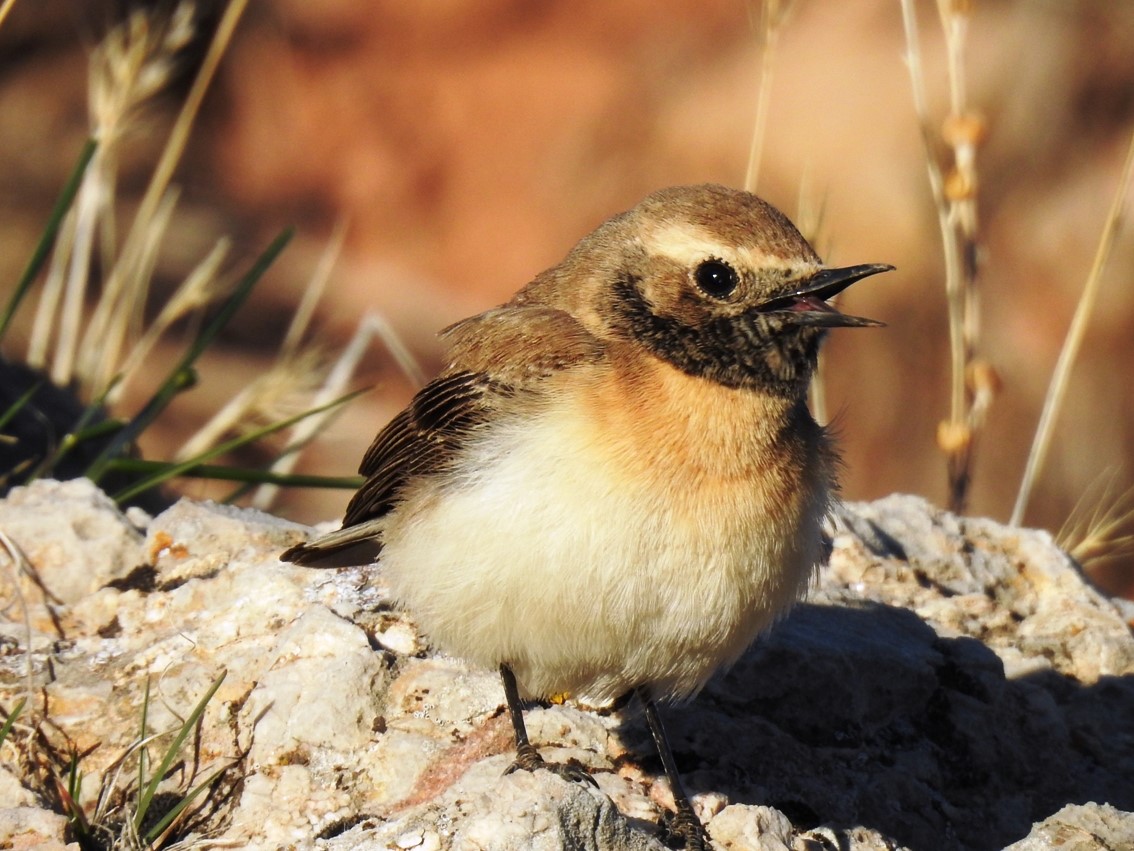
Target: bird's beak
x=808 y=305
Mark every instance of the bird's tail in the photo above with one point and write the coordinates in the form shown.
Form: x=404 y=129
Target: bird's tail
x=348 y=547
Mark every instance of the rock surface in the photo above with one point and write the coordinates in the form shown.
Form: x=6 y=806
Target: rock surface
x=949 y=684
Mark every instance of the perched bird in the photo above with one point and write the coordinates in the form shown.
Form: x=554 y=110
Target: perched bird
x=615 y=482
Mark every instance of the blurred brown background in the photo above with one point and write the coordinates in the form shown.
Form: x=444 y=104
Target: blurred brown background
x=468 y=145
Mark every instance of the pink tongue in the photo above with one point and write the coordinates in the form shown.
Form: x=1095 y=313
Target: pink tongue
x=810 y=302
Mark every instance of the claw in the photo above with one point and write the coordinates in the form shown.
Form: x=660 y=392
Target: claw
x=685 y=825
x=528 y=759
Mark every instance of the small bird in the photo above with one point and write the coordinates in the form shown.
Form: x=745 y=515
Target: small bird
x=615 y=483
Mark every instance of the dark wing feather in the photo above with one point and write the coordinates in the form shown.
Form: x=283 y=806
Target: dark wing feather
x=421 y=440
x=495 y=356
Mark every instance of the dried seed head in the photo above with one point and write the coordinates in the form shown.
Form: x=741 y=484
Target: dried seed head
x=967 y=130
x=132 y=64
x=959 y=8
x=960 y=185
x=953 y=437
x=984 y=379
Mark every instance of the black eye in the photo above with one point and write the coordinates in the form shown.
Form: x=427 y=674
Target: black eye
x=716 y=278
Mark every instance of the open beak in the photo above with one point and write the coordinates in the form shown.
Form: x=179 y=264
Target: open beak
x=808 y=305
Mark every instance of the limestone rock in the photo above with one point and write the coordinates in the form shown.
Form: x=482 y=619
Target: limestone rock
x=32 y=827
x=1079 y=827
x=73 y=535
x=949 y=684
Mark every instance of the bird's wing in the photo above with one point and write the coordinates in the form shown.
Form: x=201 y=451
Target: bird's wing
x=495 y=359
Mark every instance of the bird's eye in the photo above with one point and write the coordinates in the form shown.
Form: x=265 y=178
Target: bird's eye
x=716 y=279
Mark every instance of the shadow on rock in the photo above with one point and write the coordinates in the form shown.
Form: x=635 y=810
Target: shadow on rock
x=863 y=715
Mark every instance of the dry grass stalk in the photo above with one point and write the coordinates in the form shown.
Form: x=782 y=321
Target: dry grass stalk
x=1060 y=379
x=313 y=292
x=334 y=383
x=131 y=66
x=287 y=384
x=273 y=395
x=84 y=219
x=397 y=348
x=43 y=326
x=773 y=15
x=18 y=564
x=126 y=278
x=5 y=9
x=809 y=218
x=201 y=287
x=1101 y=528
x=104 y=351
x=338 y=377
x=179 y=136
x=128 y=68
x=955 y=197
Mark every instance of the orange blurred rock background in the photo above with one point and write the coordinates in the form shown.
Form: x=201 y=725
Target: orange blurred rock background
x=468 y=145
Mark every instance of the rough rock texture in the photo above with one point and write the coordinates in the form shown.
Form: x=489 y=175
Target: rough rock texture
x=949 y=684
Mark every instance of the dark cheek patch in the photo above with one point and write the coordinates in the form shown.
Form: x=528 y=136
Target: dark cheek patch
x=736 y=351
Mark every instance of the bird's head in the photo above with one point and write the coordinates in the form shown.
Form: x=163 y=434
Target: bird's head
x=718 y=283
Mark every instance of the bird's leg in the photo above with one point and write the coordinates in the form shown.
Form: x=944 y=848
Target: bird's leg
x=684 y=823
x=527 y=757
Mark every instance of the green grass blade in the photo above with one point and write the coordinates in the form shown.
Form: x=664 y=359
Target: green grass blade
x=11 y=719
x=47 y=240
x=182 y=373
x=181 y=468
x=19 y=404
x=71 y=795
x=98 y=430
x=78 y=433
x=142 y=738
x=177 y=381
x=246 y=475
x=168 y=819
x=147 y=793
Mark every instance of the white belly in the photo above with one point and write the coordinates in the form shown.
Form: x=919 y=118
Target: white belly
x=590 y=576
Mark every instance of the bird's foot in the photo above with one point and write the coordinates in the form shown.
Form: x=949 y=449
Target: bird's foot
x=686 y=827
x=528 y=759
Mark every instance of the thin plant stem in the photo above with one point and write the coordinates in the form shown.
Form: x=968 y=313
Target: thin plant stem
x=955 y=198
x=177 y=469
x=18 y=564
x=5 y=9
x=104 y=351
x=146 y=794
x=182 y=375
x=179 y=136
x=196 y=290
x=1060 y=379
x=47 y=240
x=47 y=308
x=937 y=187
x=86 y=214
x=314 y=290
x=772 y=16
x=132 y=253
x=224 y=473
x=397 y=348
x=306 y=430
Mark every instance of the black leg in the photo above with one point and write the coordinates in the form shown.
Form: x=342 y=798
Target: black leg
x=527 y=757
x=685 y=823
